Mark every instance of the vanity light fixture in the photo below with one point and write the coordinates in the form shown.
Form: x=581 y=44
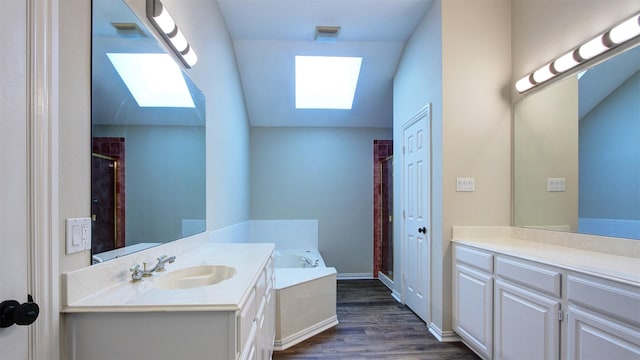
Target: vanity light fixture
x=617 y=35
x=163 y=22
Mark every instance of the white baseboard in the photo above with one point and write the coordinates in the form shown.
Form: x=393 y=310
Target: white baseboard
x=385 y=280
x=396 y=296
x=302 y=335
x=443 y=336
x=354 y=276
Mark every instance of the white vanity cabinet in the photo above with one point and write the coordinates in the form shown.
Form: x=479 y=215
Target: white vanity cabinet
x=603 y=319
x=265 y=314
x=473 y=299
x=180 y=324
x=506 y=306
x=526 y=310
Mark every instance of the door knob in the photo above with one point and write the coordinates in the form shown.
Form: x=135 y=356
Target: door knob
x=422 y=230
x=12 y=312
x=7 y=311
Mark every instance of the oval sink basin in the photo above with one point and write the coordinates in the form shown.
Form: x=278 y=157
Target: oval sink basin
x=195 y=276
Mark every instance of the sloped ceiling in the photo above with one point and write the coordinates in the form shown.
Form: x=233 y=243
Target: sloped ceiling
x=268 y=34
x=600 y=81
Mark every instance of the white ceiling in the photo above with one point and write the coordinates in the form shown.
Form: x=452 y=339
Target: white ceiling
x=268 y=34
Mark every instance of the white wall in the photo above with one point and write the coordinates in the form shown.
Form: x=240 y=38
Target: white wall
x=546 y=146
x=418 y=81
x=216 y=74
x=74 y=121
x=324 y=174
x=471 y=128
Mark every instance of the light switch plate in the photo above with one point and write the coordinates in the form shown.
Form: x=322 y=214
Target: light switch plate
x=556 y=184
x=465 y=184
x=78 y=232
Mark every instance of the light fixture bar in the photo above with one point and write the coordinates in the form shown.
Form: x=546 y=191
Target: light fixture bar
x=614 y=37
x=164 y=23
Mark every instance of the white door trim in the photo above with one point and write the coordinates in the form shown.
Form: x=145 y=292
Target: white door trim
x=425 y=111
x=42 y=174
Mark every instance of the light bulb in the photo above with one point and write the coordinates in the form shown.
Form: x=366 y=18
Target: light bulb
x=190 y=57
x=565 y=62
x=179 y=41
x=592 y=48
x=165 y=21
x=626 y=30
x=524 y=84
x=543 y=74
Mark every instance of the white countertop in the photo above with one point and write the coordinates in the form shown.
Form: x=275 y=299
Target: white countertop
x=613 y=267
x=228 y=295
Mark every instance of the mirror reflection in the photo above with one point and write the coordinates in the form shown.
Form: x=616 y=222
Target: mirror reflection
x=148 y=141
x=577 y=152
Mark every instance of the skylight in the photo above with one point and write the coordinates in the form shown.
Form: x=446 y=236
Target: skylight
x=326 y=82
x=154 y=80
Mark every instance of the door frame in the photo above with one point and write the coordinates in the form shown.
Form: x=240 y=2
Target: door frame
x=423 y=112
x=42 y=175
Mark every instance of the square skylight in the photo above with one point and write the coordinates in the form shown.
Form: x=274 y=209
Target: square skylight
x=326 y=82
x=154 y=80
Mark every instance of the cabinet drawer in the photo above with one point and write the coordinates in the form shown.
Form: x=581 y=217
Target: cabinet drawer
x=616 y=300
x=476 y=258
x=529 y=275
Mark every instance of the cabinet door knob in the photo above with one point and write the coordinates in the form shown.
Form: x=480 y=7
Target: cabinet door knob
x=422 y=230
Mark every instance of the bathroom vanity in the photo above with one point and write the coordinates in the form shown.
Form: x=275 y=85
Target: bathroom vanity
x=516 y=297
x=215 y=301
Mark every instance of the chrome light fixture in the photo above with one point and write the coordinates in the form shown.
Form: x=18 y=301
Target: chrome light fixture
x=163 y=22
x=617 y=35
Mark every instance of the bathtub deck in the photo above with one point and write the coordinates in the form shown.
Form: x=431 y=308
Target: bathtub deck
x=306 y=306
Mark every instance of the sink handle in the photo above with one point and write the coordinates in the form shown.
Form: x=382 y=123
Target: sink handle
x=136 y=273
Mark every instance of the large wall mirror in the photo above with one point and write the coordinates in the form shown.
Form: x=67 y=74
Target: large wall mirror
x=577 y=152
x=148 y=139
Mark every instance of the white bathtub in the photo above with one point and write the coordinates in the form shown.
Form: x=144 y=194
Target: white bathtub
x=305 y=296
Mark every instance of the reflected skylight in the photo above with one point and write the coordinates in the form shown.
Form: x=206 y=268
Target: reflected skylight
x=325 y=82
x=154 y=80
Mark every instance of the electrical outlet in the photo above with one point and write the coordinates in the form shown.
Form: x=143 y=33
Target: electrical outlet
x=78 y=234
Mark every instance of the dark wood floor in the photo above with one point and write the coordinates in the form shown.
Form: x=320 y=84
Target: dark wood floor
x=374 y=326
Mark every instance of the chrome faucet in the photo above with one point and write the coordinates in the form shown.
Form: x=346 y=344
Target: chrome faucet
x=162 y=261
x=306 y=262
x=137 y=273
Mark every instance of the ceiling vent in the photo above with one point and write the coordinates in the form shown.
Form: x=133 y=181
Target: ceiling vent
x=128 y=30
x=327 y=33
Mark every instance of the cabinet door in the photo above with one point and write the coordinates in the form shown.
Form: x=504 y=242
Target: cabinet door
x=526 y=324
x=593 y=336
x=473 y=309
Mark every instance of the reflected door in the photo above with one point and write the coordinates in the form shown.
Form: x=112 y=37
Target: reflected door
x=387 y=217
x=103 y=203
